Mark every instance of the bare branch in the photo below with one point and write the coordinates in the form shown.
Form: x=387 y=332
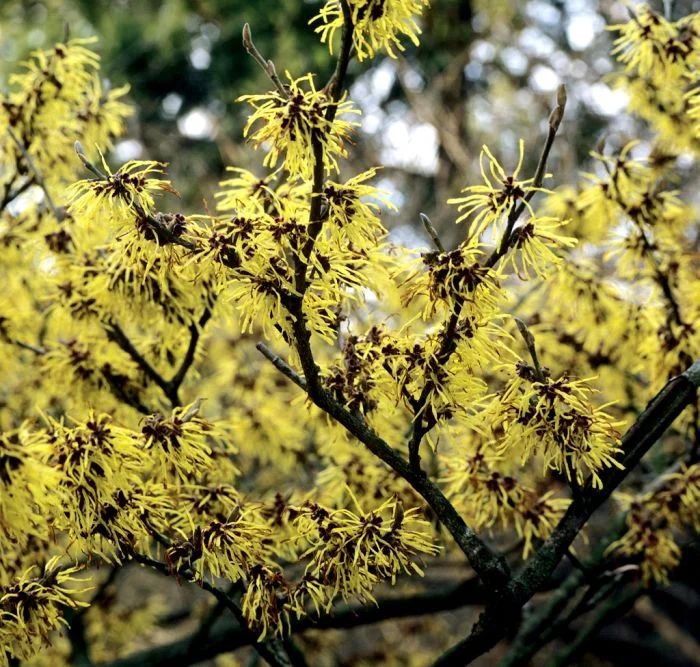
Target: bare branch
x=281 y=365
x=80 y=152
x=38 y=178
x=28 y=346
x=432 y=232
x=267 y=65
x=609 y=610
x=228 y=637
x=195 y=333
x=117 y=335
x=10 y=194
x=170 y=387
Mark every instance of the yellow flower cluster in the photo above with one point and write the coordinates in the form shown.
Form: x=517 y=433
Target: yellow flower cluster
x=296 y=126
x=107 y=505
x=556 y=419
x=32 y=607
x=348 y=554
x=479 y=484
x=656 y=518
x=56 y=99
x=119 y=310
x=377 y=24
x=661 y=60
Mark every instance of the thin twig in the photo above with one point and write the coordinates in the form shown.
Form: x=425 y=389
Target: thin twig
x=164 y=235
x=555 y=119
x=39 y=351
x=116 y=386
x=202 y=634
x=10 y=195
x=335 y=85
x=117 y=335
x=528 y=640
x=490 y=567
x=335 y=89
x=80 y=152
x=195 y=332
x=169 y=387
x=577 y=563
x=432 y=232
x=59 y=215
x=662 y=280
x=530 y=343
x=267 y=65
x=281 y=365
x=274 y=655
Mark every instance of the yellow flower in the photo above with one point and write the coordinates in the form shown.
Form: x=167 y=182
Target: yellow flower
x=500 y=193
x=246 y=189
x=377 y=24
x=126 y=194
x=230 y=547
x=25 y=486
x=353 y=209
x=31 y=608
x=265 y=603
x=648 y=542
x=534 y=246
x=556 y=418
x=647 y=41
x=536 y=516
x=456 y=277
x=480 y=483
x=352 y=552
x=179 y=443
x=292 y=124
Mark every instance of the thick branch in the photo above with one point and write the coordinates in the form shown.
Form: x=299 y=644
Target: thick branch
x=281 y=365
x=195 y=332
x=678 y=393
x=227 y=637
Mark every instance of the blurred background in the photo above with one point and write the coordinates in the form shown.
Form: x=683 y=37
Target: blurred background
x=486 y=72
